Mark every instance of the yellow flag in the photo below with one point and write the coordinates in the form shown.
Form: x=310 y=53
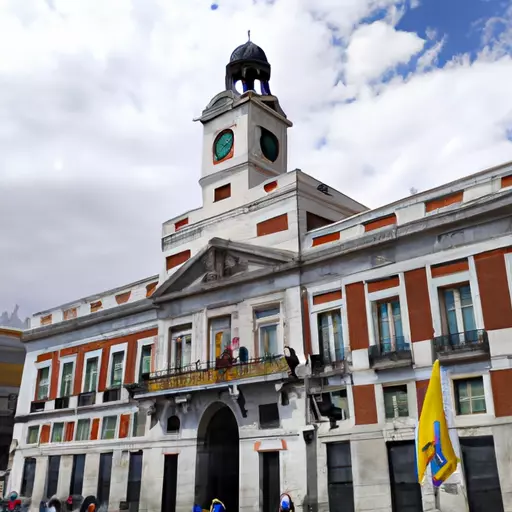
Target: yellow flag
x=433 y=444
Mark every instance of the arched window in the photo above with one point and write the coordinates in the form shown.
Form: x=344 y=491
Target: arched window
x=173 y=425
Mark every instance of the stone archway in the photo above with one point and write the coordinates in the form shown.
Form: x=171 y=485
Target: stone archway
x=218 y=458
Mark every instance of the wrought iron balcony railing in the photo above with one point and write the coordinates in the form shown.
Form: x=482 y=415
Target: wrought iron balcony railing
x=390 y=349
x=467 y=341
x=208 y=373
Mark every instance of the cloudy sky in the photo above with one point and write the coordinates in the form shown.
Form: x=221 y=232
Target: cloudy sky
x=98 y=147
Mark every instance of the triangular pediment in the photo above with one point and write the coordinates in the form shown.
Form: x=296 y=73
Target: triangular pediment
x=223 y=261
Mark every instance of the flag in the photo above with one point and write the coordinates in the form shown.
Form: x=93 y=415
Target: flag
x=433 y=444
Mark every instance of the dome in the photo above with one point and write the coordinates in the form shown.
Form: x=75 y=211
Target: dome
x=248 y=51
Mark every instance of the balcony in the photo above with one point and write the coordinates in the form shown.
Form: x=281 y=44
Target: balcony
x=462 y=346
x=62 y=402
x=37 y=406
x=199 y=375
x=322 y=364
x=85 y=399
x=390 y=353
x=112 y=395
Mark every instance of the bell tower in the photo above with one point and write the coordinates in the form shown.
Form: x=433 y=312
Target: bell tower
x=244 y=133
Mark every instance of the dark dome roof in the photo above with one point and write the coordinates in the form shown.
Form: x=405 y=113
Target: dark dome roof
x=248 y=51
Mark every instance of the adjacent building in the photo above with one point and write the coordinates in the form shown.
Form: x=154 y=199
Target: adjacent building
x=285 y=344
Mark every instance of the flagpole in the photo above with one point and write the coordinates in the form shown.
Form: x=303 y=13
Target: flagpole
x=437 y=501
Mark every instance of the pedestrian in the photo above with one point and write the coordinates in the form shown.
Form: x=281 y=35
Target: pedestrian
x=286 y=503
x=217 y=506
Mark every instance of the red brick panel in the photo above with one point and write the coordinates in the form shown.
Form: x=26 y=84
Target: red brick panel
x=421 y=391
x=418 y=304
x=131 y=359
x=221 y=193
x=383 y=284
x=95 y=428
x=441 y=202
x=356 y=316
x=102 y=380
x=177 y=259
x=123 y=297
x=44 y=357
x=325 y=239
x=54 y=380
x=506 y=181
x=452 y=267
x=494 y=292
x=150 y=288
x=364 y=404
x=79 y=371
x=181 y=223
x=269 y=187
x=273 y=225
x=70 y=431
x=322 y=298
x=44 y=436
x=501 y=381
x=124 y=425
x=389 y=220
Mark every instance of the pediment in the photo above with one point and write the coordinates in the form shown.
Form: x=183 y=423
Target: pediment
x=221 y=261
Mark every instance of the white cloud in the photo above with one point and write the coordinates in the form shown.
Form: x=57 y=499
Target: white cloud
x=98 y=148
x=376 y=48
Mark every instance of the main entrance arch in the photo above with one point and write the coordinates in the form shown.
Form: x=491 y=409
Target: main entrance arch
x=218 y=458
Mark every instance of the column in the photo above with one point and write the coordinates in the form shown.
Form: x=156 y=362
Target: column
x=65 y=470
x=119 y=478
x=92 y=467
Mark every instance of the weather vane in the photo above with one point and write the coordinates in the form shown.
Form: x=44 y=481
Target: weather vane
x=248 y=35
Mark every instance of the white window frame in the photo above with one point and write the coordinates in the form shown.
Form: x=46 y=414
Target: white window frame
x=116 y=431
x=144 y=342
x=38 y=427
x=63 y=361
x=172 y=338
x=268 y=321
x=40 y=366
x=115 y=349
x=91 y=355
x=332 y=347
x=391 y=322
x=76 y=430
x=396 y=385
x=63 y=431
x=458 y=305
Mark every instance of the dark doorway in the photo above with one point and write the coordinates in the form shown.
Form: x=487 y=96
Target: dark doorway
x=77 y=475
x=170 y=484
x=27 y=481
x=405 y=489
x=217 y=464
x=339 y=477
x=270 y=484
x=134 y=479
x=52 y=478
x=104 y=477
x=479 y=459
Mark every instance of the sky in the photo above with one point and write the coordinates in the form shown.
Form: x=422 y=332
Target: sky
x=98 y=147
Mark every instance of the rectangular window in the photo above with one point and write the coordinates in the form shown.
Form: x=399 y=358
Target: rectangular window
x=27 y=481
x=58 y=433
x=330 y=336
x=221 y=193
x=269 y=481
x=116 y=369
x=269 y=416
x=339 y=477
x=145 y=361
x=395 y=402
x=108 y=430
x=33 y=435
x=77 y=475
x=135 y=425
x=182 y=350
x=134 y=479
x=66 y=383
x=220 y=334
x=43 y=383
x=91 y=375
x=389 y=323
x=83 y=429
x=469 y=396
x=52 y=477
x=104 y=477
x=267 y=321
x=458 y=314
x=340 y=399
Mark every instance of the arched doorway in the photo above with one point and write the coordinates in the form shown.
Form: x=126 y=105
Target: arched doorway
x=218 y=455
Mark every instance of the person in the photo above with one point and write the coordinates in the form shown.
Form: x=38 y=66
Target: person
x=286 y=503
x=217 y=506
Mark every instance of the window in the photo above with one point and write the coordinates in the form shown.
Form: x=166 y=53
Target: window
x=389 y=323
x=221 y=193
x=220 y=334
x=66 y=383
x=470 y=396
x=43 y=383
x=27 y=481
x=83 y=429
x=182 y=350
x=108 y=430
x=52 y=477
x=267 y=322
x=145 y=361
x=91 y=375
x=173 y=425
x=33 y=435
x=340 y=399
x=330 y=336
x=77 y=475
x=395 y=402
x=135 y=426
x=58 y=433
x=116 y=369
x=269 y=416
x=458 y=311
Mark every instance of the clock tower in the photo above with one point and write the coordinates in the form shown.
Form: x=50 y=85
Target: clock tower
x=245 y=133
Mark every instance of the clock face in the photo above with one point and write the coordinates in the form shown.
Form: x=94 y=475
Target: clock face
x=269 y=145
x=223 y=145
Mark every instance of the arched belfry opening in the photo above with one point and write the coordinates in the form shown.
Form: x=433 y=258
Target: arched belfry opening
x=218 y=458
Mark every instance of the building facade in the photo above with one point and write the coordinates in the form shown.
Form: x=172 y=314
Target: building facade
x=12 y=357
x=284 y=346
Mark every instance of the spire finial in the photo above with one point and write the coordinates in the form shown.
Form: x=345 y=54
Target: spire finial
x=248 y=35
